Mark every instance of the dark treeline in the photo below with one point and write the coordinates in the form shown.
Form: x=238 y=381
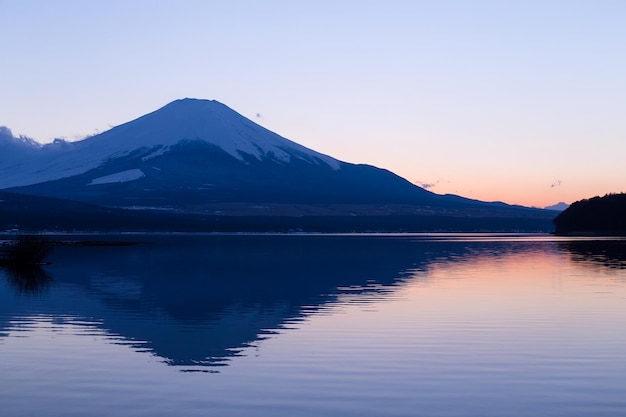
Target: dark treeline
x=33 y=213
x=158 y=222
x=597 y=215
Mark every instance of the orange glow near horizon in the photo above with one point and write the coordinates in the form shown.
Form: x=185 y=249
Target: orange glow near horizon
x=526 y=194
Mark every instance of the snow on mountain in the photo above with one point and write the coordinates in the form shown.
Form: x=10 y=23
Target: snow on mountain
x=123 y=176
x=153 y=135
x=206 y=120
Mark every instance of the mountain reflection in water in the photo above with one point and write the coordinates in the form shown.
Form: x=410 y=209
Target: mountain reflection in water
x=198 y=301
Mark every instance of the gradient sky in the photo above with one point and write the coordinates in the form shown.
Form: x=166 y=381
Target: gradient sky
x=517 y=101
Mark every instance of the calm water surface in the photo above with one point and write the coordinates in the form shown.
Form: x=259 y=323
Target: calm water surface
x=433 y=325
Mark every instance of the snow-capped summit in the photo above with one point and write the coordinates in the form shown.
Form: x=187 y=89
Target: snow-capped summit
x=205 y=120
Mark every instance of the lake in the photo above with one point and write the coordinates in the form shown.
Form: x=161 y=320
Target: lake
x=311 y=325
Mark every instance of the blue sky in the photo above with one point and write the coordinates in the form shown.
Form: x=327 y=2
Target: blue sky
x=518 y=101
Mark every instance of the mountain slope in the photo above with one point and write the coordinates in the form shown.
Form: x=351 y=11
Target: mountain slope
x=199 y=157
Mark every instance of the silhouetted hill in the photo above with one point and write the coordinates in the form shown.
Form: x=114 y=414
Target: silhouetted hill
x=597 y=215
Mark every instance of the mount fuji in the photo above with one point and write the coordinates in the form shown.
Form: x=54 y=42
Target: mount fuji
x=199 y=157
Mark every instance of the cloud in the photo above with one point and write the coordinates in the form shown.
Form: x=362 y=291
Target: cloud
x=6 y=132
x=7 y=136
x=426 y=185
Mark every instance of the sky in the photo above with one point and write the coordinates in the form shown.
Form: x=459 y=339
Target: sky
x=515 y=101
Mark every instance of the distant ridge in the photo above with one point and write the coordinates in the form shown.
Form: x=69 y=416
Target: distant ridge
x=557 y=207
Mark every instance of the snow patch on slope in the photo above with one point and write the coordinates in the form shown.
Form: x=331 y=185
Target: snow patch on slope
x=160 y=150
x=123 y=176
